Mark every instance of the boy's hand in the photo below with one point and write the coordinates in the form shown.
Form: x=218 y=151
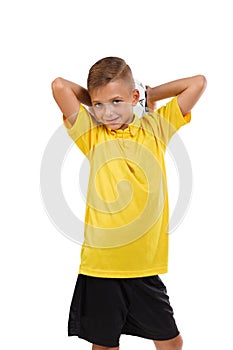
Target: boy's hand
x=150 y=103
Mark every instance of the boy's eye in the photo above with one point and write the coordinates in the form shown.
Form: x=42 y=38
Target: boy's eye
x=98 y=105
x=117 y=102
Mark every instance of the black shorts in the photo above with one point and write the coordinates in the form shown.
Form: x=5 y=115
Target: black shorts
x=104 y=308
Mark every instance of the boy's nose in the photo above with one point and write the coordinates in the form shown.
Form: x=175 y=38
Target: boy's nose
x=108 y=110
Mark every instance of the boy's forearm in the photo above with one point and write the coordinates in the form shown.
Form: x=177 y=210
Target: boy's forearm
x=80 y=92
x=170 y=89
x=68 y=96
x=189 y=91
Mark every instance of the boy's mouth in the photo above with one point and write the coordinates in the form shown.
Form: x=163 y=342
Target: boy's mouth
x=111 y=121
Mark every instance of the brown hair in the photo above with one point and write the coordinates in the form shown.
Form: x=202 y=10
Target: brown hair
x=109 y=69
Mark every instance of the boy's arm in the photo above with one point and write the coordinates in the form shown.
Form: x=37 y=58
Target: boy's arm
x=188 y=90
x=68 y=96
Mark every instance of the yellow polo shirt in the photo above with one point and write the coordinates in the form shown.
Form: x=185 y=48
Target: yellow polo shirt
x=126 y=220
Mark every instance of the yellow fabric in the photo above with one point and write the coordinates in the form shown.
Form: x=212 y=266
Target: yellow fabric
x=126 y=221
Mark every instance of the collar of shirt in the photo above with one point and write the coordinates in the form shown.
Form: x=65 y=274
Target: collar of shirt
x=132 y=128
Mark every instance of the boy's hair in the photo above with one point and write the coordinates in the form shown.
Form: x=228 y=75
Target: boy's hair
x=109 y=69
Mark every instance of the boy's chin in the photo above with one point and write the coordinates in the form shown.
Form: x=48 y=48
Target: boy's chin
x=116 y=126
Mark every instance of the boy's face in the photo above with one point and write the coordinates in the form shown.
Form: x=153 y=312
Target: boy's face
x=113 y=104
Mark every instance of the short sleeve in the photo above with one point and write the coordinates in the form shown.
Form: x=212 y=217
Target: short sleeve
x=82 y=131
x=167 y=120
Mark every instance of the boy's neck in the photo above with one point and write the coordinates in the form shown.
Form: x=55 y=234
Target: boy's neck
x=125 y=126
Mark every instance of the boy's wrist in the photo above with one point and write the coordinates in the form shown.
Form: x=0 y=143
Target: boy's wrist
x=84 y=97
x=150 y=99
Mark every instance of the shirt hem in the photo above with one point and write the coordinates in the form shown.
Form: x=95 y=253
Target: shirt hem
x=123 y=274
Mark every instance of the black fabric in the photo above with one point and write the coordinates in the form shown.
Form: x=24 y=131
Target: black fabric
x=104 y=308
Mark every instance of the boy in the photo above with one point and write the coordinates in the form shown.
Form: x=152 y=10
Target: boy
x=118 y=290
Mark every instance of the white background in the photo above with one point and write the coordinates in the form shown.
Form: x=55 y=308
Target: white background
x=161 y=41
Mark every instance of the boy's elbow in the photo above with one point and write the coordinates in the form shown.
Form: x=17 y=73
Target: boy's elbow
x=57 y=84
x=201 y=82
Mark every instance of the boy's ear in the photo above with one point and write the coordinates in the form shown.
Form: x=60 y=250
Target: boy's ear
x=136 y=95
